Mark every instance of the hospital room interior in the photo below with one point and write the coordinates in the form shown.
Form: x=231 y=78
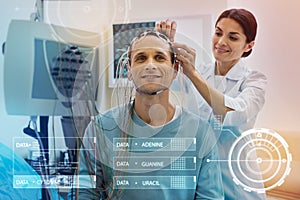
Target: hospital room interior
x=38 y=118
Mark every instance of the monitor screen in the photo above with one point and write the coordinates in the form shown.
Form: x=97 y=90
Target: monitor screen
x=50 y=70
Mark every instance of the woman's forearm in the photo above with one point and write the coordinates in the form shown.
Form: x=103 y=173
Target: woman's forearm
x=214 y=98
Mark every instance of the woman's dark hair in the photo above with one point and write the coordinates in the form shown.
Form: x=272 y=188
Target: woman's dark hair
x=246 y=20
x=156 y=34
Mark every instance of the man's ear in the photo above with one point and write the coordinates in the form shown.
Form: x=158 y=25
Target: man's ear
x=129 y=75
x=176 y=67
x=249 y=46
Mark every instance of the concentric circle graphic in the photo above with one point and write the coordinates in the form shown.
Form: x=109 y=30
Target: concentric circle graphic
x=259 y=160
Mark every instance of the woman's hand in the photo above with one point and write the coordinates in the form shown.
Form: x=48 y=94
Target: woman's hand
x=168 y=28
x=186 y=56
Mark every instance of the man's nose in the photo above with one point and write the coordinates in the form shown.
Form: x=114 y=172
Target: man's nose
x=150 y=66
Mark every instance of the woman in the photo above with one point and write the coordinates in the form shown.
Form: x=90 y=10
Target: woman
x=145 y=148
x=228 y=91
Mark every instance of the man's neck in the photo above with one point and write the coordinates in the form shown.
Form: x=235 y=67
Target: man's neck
x=155 y=110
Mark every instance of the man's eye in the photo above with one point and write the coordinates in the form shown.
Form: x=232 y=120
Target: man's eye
x=140 y=59
x=160 y=58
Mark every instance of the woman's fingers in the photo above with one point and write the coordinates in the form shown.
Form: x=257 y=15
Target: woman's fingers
x=186 y=56
x=185 y=51
x=168 y=28
x=186 y=65
x=173 y=30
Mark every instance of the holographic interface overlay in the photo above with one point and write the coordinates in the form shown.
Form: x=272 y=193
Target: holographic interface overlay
x=259 y=156
x=140 y=164
x=56 y=172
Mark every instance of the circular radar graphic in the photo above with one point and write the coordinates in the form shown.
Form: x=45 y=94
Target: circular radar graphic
x=259 y=160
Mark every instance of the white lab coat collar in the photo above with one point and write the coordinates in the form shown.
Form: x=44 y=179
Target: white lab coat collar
x=237 y=72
